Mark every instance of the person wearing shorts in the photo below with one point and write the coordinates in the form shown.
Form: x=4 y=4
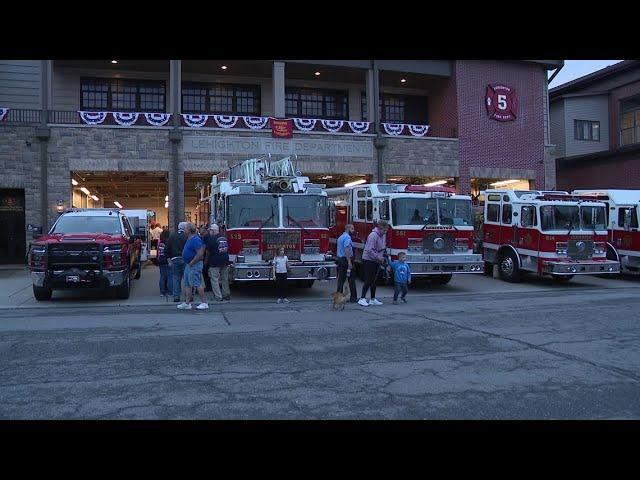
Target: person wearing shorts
x=193 y=254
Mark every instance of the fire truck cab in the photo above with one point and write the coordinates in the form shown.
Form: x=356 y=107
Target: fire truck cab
x=546 y=233
x=432 y=225
x=262 y=206
x=622 y=209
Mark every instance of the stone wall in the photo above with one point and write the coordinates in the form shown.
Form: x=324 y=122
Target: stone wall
x=20 y=167
x=421 y=157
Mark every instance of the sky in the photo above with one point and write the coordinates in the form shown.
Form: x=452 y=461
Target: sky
x=578 y=68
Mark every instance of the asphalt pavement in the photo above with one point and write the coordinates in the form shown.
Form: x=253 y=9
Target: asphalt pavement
x=477 y=348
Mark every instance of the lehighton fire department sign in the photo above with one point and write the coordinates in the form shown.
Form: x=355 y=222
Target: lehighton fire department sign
x=501 y=102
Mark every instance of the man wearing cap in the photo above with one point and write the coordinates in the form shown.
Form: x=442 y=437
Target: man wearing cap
x=218 y=258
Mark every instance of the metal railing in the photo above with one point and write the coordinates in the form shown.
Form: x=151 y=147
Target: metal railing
x=23 y=116
x=64 y=117
x=71 y=117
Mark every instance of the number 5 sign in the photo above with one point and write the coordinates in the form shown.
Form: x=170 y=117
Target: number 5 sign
x=501 y=103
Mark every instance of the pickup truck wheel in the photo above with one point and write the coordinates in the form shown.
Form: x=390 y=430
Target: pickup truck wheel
x=123 y=291
x=42 y=294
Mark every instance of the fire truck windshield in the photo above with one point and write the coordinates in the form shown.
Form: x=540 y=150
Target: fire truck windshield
x=254 y=210
x=572 y=217
x=593 y=218
x=89 y=224
x=305 y=210
x=455 y=212
x=421 y=211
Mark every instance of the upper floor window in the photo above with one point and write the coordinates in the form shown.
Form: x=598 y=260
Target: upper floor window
x=122 y=95
x=586 y=130
x=317 y=103
x=221 y=98
x=630 y=121
x=396 y=108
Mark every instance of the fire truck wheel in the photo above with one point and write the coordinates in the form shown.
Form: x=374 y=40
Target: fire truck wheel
x=508 y=267
x=124 y=290
x=561 y=278
x=441 y=279
x=42 y=294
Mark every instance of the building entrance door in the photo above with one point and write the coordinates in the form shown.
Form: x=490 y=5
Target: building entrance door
x=12 y=227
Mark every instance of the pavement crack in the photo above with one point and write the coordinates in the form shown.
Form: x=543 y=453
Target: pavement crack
x=616 y=370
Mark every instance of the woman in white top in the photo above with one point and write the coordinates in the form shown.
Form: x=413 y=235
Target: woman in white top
x=280 y=269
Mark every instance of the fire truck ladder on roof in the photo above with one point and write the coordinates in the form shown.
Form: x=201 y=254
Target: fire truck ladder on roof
x=255 y=170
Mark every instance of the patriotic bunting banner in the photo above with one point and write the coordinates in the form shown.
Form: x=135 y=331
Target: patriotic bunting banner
x=255 y=123
x=3 y=113
x=195 y=120
x=393 y=128
x=125 y=119
x=332 y=125
x=92 y=118
x=359 y=127
x=157 y=119
x=304 y=124
x=418 y=130
x=225 y=121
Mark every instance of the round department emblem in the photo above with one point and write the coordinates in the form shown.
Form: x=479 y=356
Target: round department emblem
x=501 y=102
x=438 y=243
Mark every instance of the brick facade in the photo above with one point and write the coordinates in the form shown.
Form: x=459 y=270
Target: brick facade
x=488 y=143
x=614 y=110
x=621 y=171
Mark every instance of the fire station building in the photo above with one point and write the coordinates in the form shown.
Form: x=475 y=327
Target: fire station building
x=148 y=134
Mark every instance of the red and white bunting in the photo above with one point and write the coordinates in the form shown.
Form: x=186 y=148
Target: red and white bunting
x=92 y=118
x=393 y=128
x=225 y=121
x=332 y=125
x=157 y=119
x=3 y=113
x=255 y=123
x=195 y=121
x=359 y=127
x=304 y=124
x=418 y=130
x=126 y=119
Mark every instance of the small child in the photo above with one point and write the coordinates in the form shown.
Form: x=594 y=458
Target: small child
x=280 y=270
x=401 y=278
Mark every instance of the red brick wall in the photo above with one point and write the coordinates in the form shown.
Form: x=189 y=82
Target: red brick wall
x=622 y=172
x=488 y=143
x=443 y=109
x=614 y=110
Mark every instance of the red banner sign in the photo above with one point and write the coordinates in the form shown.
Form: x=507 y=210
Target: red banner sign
x=501 y=102
x=281 y=128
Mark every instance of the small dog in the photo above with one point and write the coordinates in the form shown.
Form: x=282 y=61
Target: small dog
x=339 y=300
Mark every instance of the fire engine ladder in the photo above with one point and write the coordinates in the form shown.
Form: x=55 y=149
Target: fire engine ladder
x=250 y=171
x=282 y=168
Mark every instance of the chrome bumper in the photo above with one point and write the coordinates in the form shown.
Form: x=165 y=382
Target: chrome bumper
x=580 y=268
x=242 y=272
x=439 y=264
x=57 y=278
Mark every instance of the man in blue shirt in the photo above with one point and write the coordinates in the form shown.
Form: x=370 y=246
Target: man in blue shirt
x=192 y=254
x=345 y=262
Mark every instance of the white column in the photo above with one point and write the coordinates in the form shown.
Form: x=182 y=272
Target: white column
x=278 y=90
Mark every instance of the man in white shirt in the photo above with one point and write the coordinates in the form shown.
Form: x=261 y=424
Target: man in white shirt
x=155 y=235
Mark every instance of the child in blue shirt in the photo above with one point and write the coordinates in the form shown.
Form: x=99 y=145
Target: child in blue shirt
x=401 y=277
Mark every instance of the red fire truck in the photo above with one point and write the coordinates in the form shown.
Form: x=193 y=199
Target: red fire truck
x=547 y=233
x=261 y=206
x=622 y=222
x=432 y=225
